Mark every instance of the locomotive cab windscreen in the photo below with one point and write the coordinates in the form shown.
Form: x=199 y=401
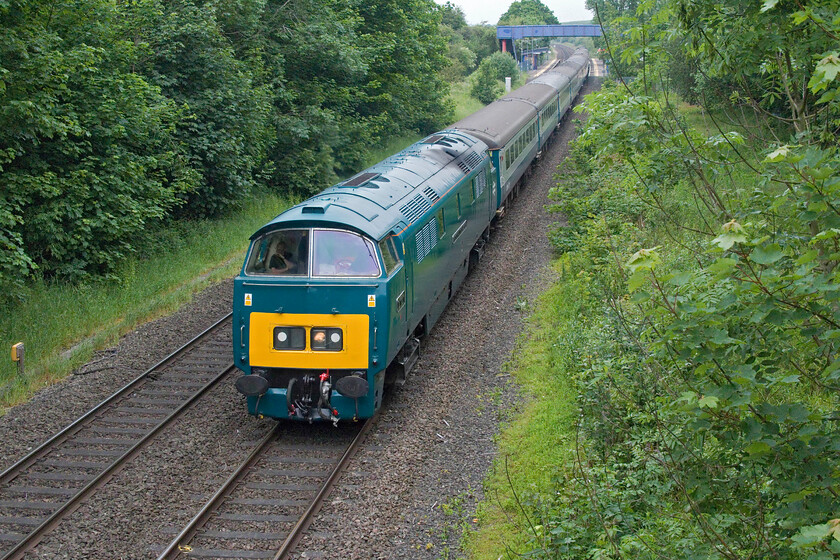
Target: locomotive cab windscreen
x=315 y=253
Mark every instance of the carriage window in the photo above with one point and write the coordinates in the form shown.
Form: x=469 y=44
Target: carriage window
x=389 y=254
x=280 y=253
x=343 y=253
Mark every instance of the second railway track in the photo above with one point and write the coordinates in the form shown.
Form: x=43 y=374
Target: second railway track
x=38 y=491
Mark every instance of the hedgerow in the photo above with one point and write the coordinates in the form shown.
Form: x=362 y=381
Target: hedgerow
x=709 y=382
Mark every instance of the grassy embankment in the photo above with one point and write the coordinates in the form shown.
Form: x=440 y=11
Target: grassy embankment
x=63 y=324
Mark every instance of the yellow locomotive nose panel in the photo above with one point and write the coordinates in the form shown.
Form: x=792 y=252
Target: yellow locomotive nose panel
x=351 y=353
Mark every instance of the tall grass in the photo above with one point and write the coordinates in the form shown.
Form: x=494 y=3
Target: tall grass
x=62 y=324
x=465 y=104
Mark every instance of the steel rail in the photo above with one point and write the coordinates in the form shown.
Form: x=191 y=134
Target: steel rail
x=35 y=536
x=10 y=473
x=178 y=548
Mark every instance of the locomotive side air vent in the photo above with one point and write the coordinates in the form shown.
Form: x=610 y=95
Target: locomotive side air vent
x=418 y=206
x=473 y=160
x=470 y=162
x=426 y=240
x=430 y=192
x=360 y=180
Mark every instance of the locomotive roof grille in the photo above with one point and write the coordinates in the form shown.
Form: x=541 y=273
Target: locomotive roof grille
x=430 y=192
x=470 y=162
x=418 y=206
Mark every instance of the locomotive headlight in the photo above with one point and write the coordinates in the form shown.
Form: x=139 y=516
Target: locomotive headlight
x=323 y=339
x=289 y=338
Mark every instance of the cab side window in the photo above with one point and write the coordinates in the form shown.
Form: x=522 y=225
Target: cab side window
x=390 y=257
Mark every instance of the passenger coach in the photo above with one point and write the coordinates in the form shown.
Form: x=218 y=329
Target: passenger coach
x=517 y=127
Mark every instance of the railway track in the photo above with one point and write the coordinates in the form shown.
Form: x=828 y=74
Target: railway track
x=263 y=508
x=41 y=489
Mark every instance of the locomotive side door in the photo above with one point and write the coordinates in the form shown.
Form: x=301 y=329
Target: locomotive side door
x=408 y=270
x=398 y=291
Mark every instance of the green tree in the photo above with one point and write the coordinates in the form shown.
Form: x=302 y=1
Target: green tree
x=452 y=16
x=88 y=159
x=708 y=426
x=769 y=49
x=405 y=51
x=226 y=133
x=481 y=39
x=487 y=80
x=528 y=12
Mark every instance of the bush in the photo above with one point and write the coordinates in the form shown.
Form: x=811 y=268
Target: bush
x=493 y=69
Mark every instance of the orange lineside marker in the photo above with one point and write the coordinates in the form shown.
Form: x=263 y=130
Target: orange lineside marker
x=17 y=356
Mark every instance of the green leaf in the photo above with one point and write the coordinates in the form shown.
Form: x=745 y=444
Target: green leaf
x=636 y=280
x=644 y=259
x=832 y=233
x=733 y=232
x=811 y=535
x=769 y=5
x=681 y=279
x=766 y=255
x=834 y=529
x=807 y=257
x=827 y=96
x=779 y=154
x=708 y=402
x=722 y=266
x=829 y=66
x=757 y=448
